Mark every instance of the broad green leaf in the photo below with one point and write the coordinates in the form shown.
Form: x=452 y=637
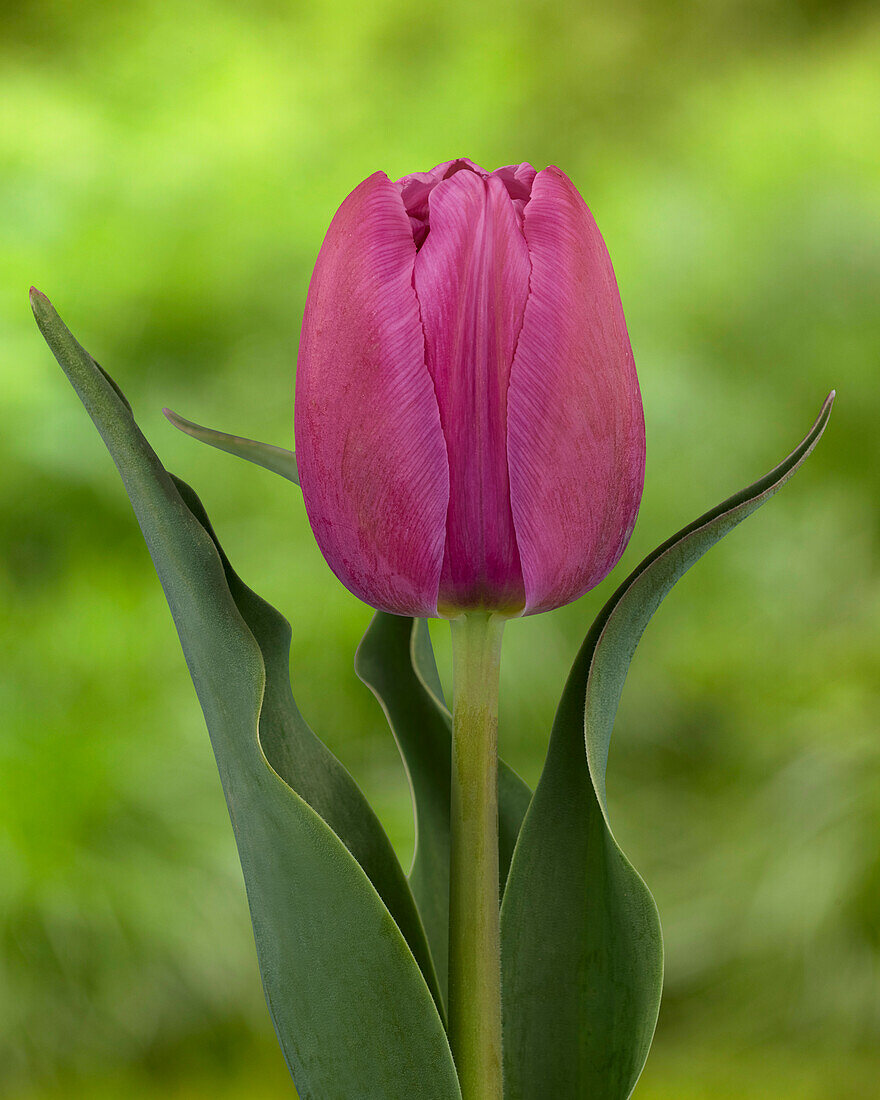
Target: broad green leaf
x=306 y=764
x=352 y=1010
x=582 y=952
x=396 y=661
x=267 y=455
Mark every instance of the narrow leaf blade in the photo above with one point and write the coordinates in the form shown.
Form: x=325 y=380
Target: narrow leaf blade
x=267 y=455
x=351 y=1008
x=582 y=951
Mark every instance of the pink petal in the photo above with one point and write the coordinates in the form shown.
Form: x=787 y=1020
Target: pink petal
x=472 y=278
x=576 y=438
x=370 y=448
x=416 y=189
x=518 y=179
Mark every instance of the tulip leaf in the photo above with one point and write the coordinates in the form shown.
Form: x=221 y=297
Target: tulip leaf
x=306 y=764
x=353 y=1012
x=582 y=952
x=267 y=455
x=396 y=661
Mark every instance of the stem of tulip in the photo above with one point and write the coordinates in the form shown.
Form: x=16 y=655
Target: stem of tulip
x=474 y=944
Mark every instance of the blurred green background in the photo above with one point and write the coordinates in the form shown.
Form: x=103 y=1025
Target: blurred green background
x=167 y=172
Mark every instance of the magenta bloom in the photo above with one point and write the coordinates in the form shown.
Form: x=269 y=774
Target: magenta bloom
x=469 y=429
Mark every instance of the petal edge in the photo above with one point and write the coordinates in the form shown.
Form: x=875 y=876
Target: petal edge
x=378 y=514
x=576 y=442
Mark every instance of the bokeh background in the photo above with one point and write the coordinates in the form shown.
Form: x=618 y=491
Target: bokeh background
x=167 y=172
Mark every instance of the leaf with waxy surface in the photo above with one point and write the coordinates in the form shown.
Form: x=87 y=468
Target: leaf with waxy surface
x=396 y=661
x=353 y=1012
x=276 y=459
x=582 y=952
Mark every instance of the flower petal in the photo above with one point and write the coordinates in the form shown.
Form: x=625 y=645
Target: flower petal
x=576 y=437
x=471 y=278
x=518 y=179
x=370 y=448
x=415 y=190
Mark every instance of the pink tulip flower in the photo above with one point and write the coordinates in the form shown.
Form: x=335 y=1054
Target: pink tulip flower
x=469 y=429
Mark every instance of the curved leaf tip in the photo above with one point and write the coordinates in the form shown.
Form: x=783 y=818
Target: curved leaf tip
x=583 y=971
x=272 y=458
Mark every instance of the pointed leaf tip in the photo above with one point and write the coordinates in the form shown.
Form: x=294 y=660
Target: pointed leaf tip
x=581 y=1004
x=272 y=458
x=369 y=1026
x=40 y=304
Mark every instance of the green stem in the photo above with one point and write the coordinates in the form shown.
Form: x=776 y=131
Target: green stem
x=474 y=946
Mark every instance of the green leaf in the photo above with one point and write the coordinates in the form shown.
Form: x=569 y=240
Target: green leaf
x=306 y=764
x=270 y=457
x=396 y=661
x=582 y=952
x=352 y=1010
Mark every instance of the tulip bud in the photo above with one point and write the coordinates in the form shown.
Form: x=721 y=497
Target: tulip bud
x=469 y=430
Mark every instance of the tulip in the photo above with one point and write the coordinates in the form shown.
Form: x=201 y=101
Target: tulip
x=470 y=444
x=469 y=429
